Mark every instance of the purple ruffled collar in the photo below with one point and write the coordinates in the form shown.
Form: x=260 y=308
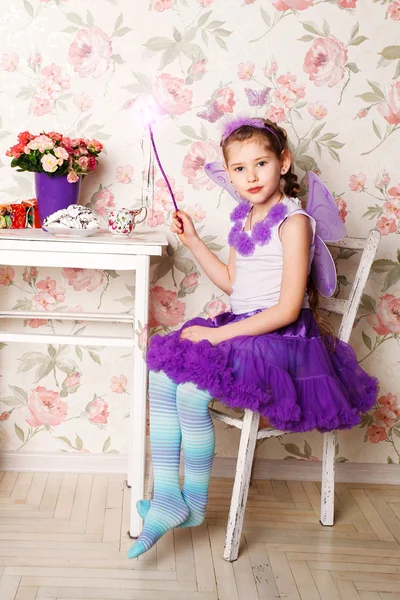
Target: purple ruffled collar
x=245 y=242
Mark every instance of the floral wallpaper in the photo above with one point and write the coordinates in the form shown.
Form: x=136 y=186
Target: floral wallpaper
x=327 y=70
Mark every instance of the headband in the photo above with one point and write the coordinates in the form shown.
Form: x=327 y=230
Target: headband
x=234 y=124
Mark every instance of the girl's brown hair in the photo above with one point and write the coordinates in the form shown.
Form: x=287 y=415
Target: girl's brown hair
x=276 y=139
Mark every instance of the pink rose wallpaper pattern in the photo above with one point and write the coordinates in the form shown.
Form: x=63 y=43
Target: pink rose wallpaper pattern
x=326 y=70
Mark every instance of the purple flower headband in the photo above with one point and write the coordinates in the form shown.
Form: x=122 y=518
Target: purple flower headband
x=234 y=124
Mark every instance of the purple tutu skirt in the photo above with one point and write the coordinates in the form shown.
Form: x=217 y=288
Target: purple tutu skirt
x=289 y=376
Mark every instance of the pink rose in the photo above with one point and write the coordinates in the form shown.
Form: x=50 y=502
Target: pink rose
x=283 y=97
x=124 y=174
x=35 y=323
x=7 y=275
x=376 y=434
x=276 y=114
x=342 y=207
x=9 y=62
x=83 y=102
x=72 y=177
x=102 y=200
x=214 y=308
x=196 y=212
x=119 y=384
x=49 y=286
x=155 y=218
x=165 y=308
x=197 y=69
x=171 y=95
x=325 y=61
x=390 y=402
x=292 y=4
x=190 y=283
x=80 y=279
x=89 y=53
x=269 y=70
x=35 y=60
x=200 y=153
x=29 y=274
x=384 y=417
x=45 y=408
x=72 y=382
x=40 y=106
x=390 y=110
x=392 y=208
x=357 y=183
x=225 y=100
x=386 y=225
x=162 y=198
x=394 y=10
x=347 y=3
x=83 y=162
x=143 y=337
x=98 y=412
x=289 y=81
x=318 y=110
x=387 y=317
x=161 y=5
x=246 y=70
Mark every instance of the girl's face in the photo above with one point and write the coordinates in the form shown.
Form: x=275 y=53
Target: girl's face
x=254 y=170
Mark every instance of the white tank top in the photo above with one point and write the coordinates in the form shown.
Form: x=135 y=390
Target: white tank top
x=258 y=277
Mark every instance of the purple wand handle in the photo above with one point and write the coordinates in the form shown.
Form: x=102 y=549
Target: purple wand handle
x=161 y=168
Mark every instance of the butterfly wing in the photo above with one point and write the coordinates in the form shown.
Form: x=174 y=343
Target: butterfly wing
x=322 y=207
x=217 y=174
x=211 y=114
x=323 y=269
x=257 y=97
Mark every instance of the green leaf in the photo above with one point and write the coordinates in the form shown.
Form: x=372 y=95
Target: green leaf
x=325 y=27
x=376 y=129
x=203 y=19
x=307 y=449
x=390 y=52
x=215 y=24
x=369 y=97
x=265 y=17
x=368 y=303
x=334 y=154
x=10 y=401
x=335 y=144
x=190 y=132
x=95 y=357
x=75 y=18
x=51 y=350
x=89 y=18
x=357 y=40
x=293 y=449
x=78 y=442
x=382 y=265
x=355 y=30
x=65 y=440
x=221 y=43
x=28 y=8
x=162 y=268
x=390 y=460
x=118 y=22
x=45 y=368
x=352 y=67
x=367 y=340
x=222 y=32
x=185 y=265
x=376 y=89
x=204 y=37
x=169 y=55
x=19 y=432
x=122 y=31
x=398 y=255
x=315 y=133
x=391 y=278
x=159 y=43
x=327 y=137
x=106 y=444
x=312 y=28
x=117 y=58
x=306 y=38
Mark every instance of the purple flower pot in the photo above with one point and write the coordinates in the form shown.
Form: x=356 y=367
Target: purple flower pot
x=55 y=193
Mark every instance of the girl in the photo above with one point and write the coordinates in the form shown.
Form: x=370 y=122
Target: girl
x=266 y=354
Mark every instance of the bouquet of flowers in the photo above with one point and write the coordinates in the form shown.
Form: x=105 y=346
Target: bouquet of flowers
x=54 y=154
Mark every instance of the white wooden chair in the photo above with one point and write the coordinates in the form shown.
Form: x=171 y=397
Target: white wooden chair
x=249 y=423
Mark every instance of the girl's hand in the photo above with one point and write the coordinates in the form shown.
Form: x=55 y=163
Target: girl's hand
x=183 y=226
x=197 y=334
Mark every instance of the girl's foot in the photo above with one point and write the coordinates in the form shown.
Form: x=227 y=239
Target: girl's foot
x=195 y=518
x=165 y=513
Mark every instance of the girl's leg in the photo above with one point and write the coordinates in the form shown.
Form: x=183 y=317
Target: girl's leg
x=198 y=443
x=168 y=509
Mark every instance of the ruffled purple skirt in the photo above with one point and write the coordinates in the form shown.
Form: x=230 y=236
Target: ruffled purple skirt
x=289 y=376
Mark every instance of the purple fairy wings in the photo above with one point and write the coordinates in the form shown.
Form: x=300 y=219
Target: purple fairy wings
x=322 y=208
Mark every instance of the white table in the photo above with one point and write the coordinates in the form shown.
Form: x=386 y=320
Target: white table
x=34 y=247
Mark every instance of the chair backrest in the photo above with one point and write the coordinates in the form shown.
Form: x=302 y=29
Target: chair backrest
x=348 y=308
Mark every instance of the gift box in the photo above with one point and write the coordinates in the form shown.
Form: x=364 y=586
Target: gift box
x=19 y=216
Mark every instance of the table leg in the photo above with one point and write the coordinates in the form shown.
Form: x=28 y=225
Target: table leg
x=137 y=421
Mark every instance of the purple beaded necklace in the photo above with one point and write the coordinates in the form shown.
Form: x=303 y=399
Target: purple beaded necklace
x=245 y=242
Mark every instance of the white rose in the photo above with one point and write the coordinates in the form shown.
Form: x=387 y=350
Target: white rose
x=49 y=162
x=61 y=153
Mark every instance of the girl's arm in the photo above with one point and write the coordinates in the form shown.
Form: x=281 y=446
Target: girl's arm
x=220 y=274
x=296 y=241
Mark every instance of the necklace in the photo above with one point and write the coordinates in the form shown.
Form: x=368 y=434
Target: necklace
x=245 y=242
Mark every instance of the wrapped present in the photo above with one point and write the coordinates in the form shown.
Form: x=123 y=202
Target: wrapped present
x=19 y=216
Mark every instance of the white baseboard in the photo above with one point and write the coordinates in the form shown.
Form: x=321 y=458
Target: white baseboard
x=290 y=470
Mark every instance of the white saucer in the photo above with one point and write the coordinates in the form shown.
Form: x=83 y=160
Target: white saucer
x=70 y=232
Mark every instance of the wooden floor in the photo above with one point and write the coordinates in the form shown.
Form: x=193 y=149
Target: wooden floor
x=64 y=536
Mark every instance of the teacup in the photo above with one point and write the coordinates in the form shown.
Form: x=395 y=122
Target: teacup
x=122 y=221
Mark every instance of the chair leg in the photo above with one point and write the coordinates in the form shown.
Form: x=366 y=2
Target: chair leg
x=150 y=482
x=248 y=439
x=328 y=479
